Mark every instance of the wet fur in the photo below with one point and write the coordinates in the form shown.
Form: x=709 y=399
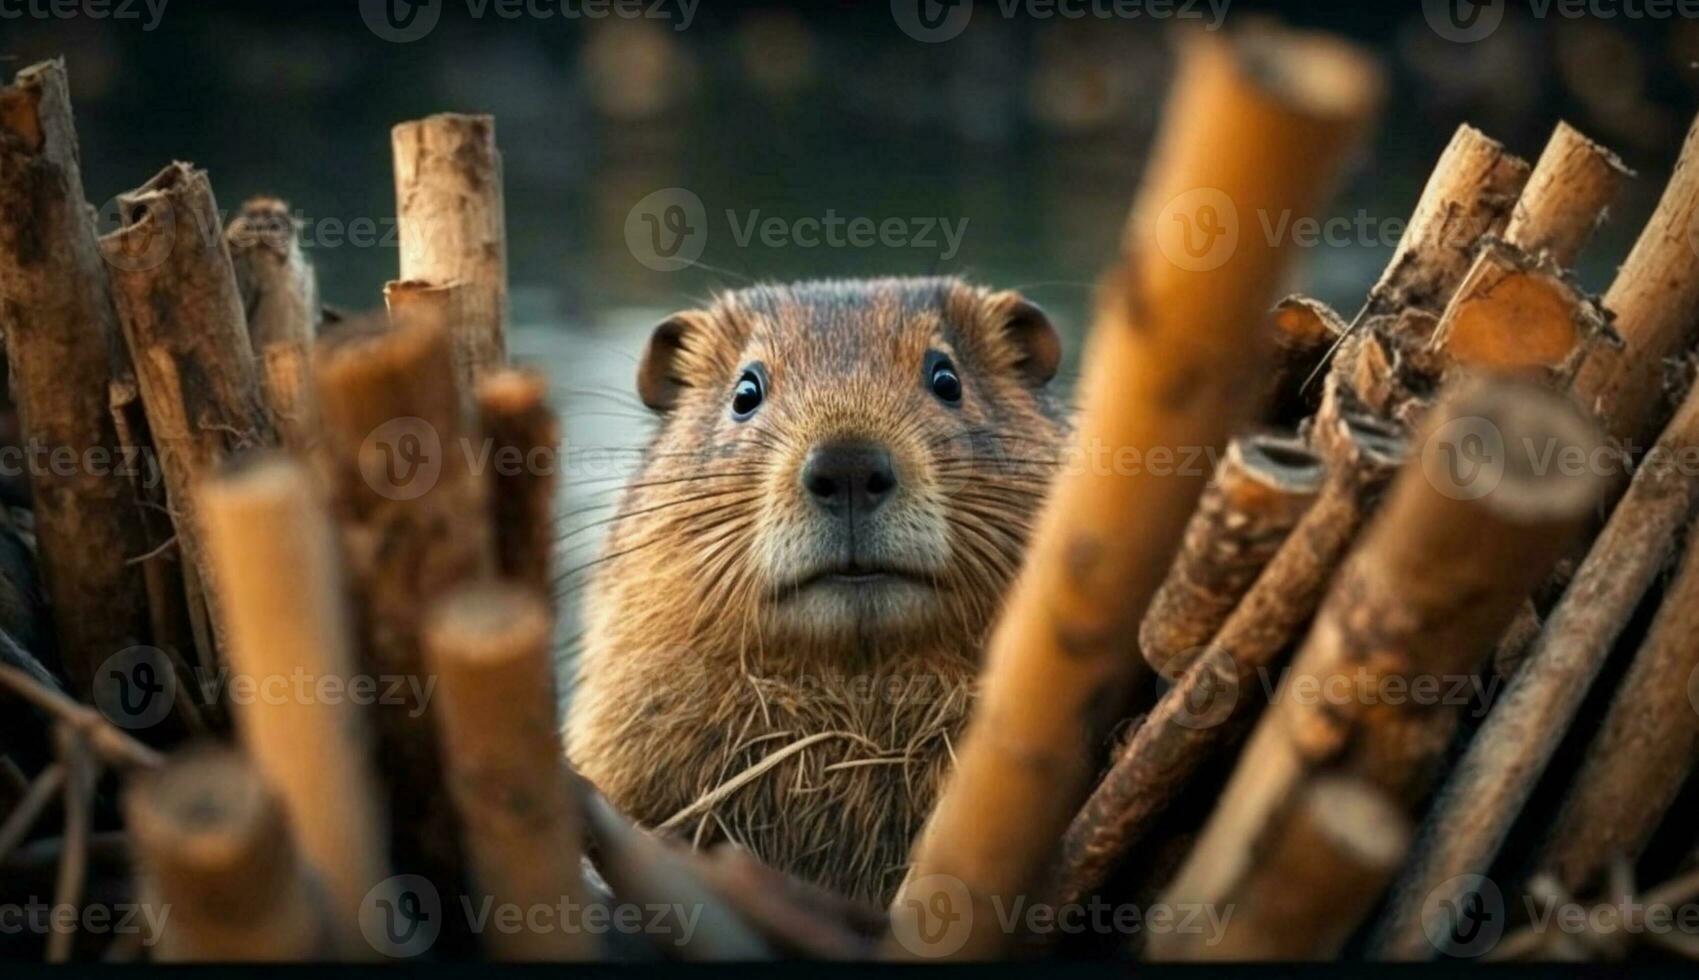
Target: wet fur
x=698 y=665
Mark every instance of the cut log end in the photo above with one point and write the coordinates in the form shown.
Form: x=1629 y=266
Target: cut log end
x=489 y=625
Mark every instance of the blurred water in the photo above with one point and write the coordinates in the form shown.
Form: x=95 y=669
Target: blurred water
x=1032 y=136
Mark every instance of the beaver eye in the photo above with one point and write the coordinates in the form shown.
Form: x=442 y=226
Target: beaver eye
x=746 y=397
x=944 y=380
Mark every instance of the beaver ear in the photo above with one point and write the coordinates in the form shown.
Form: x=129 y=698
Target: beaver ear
x=659 y=379
x=1037 y=345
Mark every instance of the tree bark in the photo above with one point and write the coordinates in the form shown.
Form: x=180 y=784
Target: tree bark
x=61 y=336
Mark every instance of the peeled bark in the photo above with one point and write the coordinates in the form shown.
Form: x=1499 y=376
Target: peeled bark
x=188 y=339
x=61 y=332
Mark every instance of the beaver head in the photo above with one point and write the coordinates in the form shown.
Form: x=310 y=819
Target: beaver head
x=841 y=484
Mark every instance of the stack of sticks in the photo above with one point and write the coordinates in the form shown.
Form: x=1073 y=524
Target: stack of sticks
x=1376 y=522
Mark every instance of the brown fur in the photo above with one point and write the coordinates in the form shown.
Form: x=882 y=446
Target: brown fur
x=700 y=663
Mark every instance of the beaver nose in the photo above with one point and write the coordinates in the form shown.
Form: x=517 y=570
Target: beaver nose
x=856 y=475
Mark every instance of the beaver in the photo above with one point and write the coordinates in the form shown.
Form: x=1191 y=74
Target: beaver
x=783 y=630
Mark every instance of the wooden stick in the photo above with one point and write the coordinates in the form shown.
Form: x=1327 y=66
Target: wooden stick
x=1334 y=848
x=643 y=869
x=80 y=775
x=1516 y=310
x=489 y=645
x=522 y=434
x=1198 y=716
x=1252 y=127
x=1572 y=184
x=413 y=522
x=280 y=291
x=1260 y=490
x=60 y=330
x=1470 y=194
x=1305 y=332
x=1642 y=754
x=114 y=747
x=448 y=198
x=305 y=727
x=1517 y=307
x=216 y=851
x=187 y=335
x=1438 y=576
x=1486 y=792
x=285 y=367
x=1655 y=300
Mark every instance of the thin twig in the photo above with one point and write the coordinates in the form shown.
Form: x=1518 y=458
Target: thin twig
x=108 y=742
x=19 y=821
x=80 y=773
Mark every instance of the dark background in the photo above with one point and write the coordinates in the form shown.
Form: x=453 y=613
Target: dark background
x=1032 y=130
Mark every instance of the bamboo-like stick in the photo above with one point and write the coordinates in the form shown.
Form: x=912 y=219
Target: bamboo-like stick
x=1256 y=126
x=1655 y=300
x=187 y=335
x=413 y=525
x=1260 y=490
x=1470 y=194
x=1642 y=754
x=219 y=864
x=289 y=637
x=280 y=291
x=489 y=645
x=1438 y=576
x=1486 y=792
x=448 y=199
x=1202 y=711
x=1334 y=847
x=61 y=329
x=1571 y=187
x=522 y=435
